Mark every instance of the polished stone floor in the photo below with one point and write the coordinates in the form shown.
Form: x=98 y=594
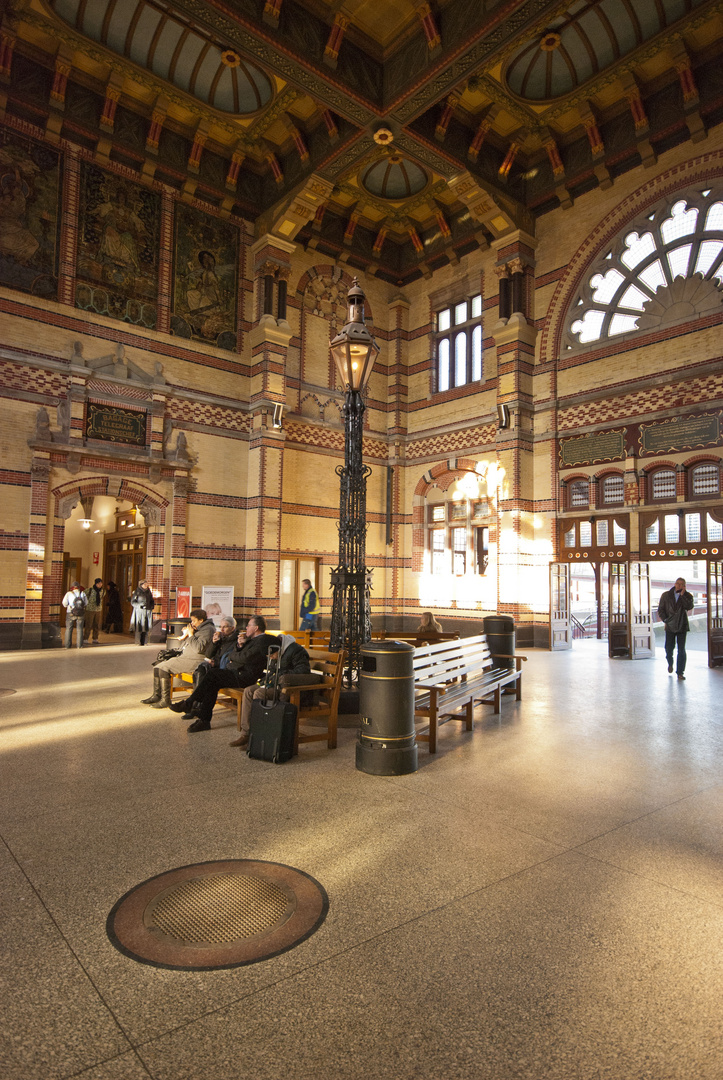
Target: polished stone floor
x=542 y=900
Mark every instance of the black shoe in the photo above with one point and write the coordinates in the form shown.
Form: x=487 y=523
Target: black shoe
x=682 y=677
x=151 y=700
x=670 y=669
x=199 y=725
x=181 y=706
x=188 y=716
x=162 y=703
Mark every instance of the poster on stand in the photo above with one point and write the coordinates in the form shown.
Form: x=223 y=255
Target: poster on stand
x=217 y=600
x=183 y=602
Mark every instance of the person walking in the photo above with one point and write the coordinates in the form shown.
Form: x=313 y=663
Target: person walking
x=94 y=597
x=673 y=610
x=74 y=604
x=309 y=610
x=143 y=603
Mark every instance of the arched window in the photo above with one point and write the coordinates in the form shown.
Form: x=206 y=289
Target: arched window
x=644 y=281
x=579 y=493
x=459 y=343
x=613 y=490
x=705 y=479
x=662 y=484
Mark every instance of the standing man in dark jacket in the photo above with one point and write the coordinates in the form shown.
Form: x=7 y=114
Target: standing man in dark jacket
x=294 y=670
x=143 y=603
x=673 y=610
x=244 y=667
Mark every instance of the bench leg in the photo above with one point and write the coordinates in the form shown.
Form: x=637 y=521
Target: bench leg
x=469 y=715
x=519 y=688
x=498 y=698
x=433 y=731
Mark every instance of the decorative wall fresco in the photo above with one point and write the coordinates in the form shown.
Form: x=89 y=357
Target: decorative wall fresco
x=205 y=278
x=30 y=197
x=118 y=248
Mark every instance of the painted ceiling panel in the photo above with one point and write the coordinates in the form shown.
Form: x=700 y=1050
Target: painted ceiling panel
x=586 y=39
x=173 y=53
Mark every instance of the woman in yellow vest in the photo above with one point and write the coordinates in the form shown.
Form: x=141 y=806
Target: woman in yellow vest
x=309 y=609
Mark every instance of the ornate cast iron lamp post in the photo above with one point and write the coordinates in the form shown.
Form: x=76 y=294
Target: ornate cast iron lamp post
x=354 y=351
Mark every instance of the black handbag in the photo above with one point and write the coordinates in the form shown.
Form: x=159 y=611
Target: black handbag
x=166 y=654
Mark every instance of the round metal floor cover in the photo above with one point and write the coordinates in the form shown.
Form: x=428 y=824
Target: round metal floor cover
x=217 y=915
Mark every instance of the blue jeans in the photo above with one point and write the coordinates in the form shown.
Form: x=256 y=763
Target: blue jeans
x=76 y=621
x=671 y=640
x=309 y=622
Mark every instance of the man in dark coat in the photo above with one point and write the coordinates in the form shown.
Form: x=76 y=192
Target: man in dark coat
x=294 y=670
x=245 y=666
x=673 y=610
x=143 y=602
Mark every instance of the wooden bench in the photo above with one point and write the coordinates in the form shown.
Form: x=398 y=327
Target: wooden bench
x=330 y=667
x=455 y=675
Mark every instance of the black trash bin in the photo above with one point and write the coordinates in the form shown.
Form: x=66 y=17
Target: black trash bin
x=175 y=628
x=387 y=744
x=500 y=634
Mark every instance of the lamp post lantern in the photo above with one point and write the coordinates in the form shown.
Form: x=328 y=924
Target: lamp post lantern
x=354 y=351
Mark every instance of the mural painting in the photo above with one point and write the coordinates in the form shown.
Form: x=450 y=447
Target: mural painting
x=118 y=248
x=30 y=197
x=205 y=279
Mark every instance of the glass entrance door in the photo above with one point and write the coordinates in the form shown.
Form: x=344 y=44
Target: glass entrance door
x=560 y=624
x=641 y=630
x=618 y=619
x=715 y=613
x=292 y=573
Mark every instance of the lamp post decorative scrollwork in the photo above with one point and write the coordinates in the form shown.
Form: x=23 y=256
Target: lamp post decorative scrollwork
x=354 y=351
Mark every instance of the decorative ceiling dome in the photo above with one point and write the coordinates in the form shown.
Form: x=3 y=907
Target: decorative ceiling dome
x=584 y=40
x=394 y=177
x=145 y=33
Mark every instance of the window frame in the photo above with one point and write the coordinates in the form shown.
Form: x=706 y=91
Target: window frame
x=451 y=335
x=476 y=528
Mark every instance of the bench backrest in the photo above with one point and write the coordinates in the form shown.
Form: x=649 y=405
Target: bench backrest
x=448 y=660
x=331 y=666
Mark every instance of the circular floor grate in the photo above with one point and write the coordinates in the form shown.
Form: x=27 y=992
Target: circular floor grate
x=219 y=909
x=217 y=915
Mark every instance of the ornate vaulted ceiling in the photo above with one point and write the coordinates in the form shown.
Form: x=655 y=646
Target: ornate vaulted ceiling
x=395 y=135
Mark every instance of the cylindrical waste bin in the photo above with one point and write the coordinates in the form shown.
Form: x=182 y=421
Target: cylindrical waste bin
x=500 y=634
x=175 y=627
x=387 y=744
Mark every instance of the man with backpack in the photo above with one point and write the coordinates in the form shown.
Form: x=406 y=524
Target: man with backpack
x=74 y=603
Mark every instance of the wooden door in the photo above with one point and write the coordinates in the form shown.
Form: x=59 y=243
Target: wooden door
x=642 y=637
x=715 y=613
x=560 y=622
x=618 y=610
x=124 y=562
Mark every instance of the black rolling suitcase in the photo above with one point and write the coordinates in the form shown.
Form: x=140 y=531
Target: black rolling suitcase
x=273 y=722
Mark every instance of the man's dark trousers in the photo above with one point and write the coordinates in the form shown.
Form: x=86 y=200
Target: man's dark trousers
x=205 y=695
x=671 y=640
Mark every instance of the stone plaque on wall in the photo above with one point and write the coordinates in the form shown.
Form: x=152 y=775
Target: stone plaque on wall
x=112 y=424
x=681 y=433
x=590 y=449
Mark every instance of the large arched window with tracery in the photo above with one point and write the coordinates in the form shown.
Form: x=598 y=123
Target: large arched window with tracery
x=666 y=269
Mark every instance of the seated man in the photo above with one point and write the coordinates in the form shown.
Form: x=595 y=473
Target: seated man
x=245 y=666
x=294 y=670
x=196 y=638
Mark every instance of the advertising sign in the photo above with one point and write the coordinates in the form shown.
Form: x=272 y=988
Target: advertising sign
x=183 y=602
x=217 y=600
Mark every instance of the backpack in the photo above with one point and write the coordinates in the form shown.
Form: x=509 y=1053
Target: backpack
x=77 y=607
